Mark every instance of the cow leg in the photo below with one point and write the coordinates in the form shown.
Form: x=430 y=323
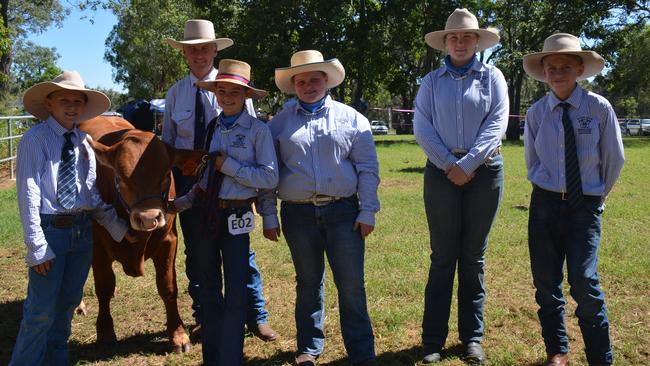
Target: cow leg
x=104 y=289
x=165 y=263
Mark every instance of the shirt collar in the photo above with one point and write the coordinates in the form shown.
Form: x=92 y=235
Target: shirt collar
x=57 y=128
x=210 y=76
x=477 y=66
x=298 y=108
x=243 y=121
x=574 y=99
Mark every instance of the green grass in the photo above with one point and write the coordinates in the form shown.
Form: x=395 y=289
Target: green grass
x=396 y=269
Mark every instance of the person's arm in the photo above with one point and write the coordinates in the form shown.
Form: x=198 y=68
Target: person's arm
x=264 y=173
x=425 y=134
x=493 y=126
x=267 y=200
x=611 y=149
x=531 y=126
x=29 y=162
x=169 y=127
x=364 y=158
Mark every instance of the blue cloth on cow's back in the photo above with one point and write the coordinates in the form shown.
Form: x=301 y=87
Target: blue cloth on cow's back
x=138 y=113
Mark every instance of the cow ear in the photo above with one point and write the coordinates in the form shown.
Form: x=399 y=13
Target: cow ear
x=103 y=153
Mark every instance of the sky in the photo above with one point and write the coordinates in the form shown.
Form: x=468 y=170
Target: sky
x=80 y=44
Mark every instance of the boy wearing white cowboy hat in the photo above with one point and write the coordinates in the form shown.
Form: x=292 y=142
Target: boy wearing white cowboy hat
x=188 y=110
x=57 y=198
x=244 y=162
x=574 y=155
x=461 y=112
x=328 y=186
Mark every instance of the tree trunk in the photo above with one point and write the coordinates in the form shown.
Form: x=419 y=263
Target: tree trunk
x=5 y=58
x=512 y=133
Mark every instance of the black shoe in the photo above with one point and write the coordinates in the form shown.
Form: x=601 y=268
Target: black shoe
x=474 y=353
x=431 y=354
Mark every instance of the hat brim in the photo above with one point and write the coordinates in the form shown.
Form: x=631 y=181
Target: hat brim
x=251 y=92
x=34 y=100
x=220 y=42
x=592 y=62
x=333 y=68
x=486 y=38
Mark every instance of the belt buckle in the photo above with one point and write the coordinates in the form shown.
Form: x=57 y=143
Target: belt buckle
x=563 y=196
x=64 y=221
x=315 y=202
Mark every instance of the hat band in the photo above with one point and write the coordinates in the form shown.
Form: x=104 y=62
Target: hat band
x=233 y=77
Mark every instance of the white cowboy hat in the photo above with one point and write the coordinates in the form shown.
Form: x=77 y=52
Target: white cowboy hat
x=563 y=44
x=234 y=72
x=306 y=61
x=34 y=98
x=198 y=31
x=461 y=20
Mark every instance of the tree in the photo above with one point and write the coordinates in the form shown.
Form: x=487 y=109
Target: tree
x=32 y=64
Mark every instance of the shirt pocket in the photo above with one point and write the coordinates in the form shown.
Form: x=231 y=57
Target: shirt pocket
x=587 y=132
x=184 y=120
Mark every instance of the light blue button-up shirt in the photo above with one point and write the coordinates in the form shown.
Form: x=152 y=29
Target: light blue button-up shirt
x=468 y=113
x=329 y=152
x=37 y=166
x=178 y=123
x=251 y=163
x=598 y=142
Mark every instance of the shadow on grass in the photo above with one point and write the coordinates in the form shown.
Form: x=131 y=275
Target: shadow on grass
x=12 y=313
x=388 y=143
x=636 y=142
x=412 y=169
x=145 y=343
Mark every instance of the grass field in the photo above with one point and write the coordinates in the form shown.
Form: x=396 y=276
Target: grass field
x=396 y=268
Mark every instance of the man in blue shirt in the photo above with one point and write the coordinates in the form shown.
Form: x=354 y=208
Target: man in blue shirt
x=574 y=155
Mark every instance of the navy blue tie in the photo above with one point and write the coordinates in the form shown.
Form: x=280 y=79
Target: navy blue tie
x=66 y=192
x=571 y=164
x=199 y=121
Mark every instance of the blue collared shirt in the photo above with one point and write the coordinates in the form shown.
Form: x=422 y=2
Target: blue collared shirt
x=251 y=163
x=598 y=142
x=468 y=114
x=328 y=152
x=178 y=123
x=37 y=166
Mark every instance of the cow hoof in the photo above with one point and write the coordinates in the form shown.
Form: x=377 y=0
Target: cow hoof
x=182 y=348
x=106 y=339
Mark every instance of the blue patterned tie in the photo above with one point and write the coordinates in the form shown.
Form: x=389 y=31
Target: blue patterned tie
x=66 y=192
x=571 y=165
x=199 y=121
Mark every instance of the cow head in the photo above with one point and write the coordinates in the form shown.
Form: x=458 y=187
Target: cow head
x=142 y=166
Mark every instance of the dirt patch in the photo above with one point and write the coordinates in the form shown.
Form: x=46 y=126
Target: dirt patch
x=5 y=181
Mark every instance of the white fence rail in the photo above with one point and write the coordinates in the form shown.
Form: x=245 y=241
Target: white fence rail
x=11 y=130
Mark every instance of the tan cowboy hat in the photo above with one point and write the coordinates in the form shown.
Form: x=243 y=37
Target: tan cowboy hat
x=461 y=20
x=234 y=72
x=563 y=44
x=34 y=98
x=198 y=31
x=306 y=61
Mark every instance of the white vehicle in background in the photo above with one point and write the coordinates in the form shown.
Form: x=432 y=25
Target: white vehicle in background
x=378 y=128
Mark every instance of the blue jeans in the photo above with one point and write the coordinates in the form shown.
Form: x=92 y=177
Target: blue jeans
x=557 y=233
x=52 y=298
x=311 y=232
x=224 y=298
x=459 y=219
x=194 y=237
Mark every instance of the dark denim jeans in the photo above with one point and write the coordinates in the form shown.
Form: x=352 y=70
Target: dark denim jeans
x=191 y=221
x=52 y=298
x=459 y=221
x=312 y=232
x=223 y=297
x=557 y=233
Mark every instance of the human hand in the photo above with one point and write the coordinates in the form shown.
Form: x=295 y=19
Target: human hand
x=364 y=229
x=44 y=267
x=219 y=160
x=457 y=175
x=272 y=234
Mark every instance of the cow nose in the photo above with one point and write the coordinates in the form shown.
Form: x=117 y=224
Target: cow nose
x=147 y=220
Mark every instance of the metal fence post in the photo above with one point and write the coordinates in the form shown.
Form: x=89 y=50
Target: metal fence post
x=11 y=161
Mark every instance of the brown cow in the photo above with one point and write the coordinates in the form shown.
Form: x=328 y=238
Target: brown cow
x=134 y=175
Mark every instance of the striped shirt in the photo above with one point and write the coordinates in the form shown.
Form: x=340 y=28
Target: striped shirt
x=37 y=165
x=461 y=113
x=329 y=152
x=598 y=142
x=178 y=123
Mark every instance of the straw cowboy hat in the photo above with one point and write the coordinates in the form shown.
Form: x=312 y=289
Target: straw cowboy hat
x=461 y=20
x=563 y=44
x=34 y=99
x=198 y=31
x=234 y=72
x=306 y=61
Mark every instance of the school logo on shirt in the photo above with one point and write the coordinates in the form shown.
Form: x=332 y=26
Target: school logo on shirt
x=584 y=125
x=239 y=142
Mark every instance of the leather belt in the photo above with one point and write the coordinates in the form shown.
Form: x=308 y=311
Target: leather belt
x=65 y=221
x=316 y=200
x=236 y=203
x=562 y=196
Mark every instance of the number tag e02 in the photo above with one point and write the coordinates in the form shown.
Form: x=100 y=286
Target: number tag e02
x=238 y=225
